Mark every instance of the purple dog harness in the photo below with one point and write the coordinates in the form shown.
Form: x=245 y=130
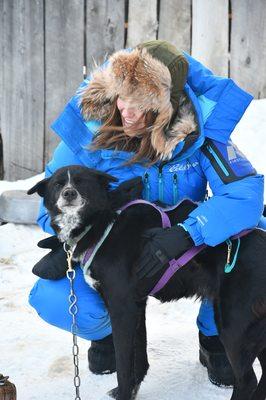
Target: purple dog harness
x=175 y=264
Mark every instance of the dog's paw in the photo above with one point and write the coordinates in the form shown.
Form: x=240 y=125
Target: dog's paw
x=113 y=394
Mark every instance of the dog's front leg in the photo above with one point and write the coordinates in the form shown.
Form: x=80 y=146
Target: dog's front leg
x=124 y=314
x=141 y=364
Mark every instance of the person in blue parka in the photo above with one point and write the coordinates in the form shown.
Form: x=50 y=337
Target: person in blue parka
x=156 y=112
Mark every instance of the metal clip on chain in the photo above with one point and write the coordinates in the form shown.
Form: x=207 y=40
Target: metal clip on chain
x=73 y=309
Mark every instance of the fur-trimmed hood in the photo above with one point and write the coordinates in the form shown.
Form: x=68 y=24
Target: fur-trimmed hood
x=153 y=76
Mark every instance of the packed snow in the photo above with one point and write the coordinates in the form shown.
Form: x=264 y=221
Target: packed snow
x=38 y=357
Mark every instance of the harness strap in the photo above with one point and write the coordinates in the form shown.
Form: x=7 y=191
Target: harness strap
x=175 y=265
x=90 y=253
x=165 y=219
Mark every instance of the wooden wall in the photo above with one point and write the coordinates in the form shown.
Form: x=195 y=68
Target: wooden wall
x=46 y=45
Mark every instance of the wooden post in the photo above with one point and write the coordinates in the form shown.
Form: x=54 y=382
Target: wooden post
x=248 y=50
x=142 y=21
x=210 y=37
x=1 y=157
x=175 y=23
x=105 y=30
x=22 y=99
x=64 y=60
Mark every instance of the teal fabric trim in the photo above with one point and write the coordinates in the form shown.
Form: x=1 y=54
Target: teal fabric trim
x=147 y=186
x=93 y=126
x=221 y=165
x=175 y=192
x=160 y=186
x=228 y=267
x=207 y=106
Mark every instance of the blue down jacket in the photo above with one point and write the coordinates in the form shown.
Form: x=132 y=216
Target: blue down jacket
x=219 y=104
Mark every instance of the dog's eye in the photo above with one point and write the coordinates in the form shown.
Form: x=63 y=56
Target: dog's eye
x=59 y=184
x=77 y=181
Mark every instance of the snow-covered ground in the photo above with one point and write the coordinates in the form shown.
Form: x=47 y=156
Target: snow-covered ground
x=37 y=357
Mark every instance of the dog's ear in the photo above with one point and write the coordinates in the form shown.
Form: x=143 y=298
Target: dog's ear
x=39 y=187
x=181 y=211
x=126 y=192
x=104 y=178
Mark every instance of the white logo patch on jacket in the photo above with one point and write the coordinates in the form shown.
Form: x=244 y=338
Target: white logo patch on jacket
x=183 y=167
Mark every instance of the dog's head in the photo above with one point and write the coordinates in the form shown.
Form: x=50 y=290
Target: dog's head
x=75 y=195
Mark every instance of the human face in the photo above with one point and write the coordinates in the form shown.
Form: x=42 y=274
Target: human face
x=131 y=115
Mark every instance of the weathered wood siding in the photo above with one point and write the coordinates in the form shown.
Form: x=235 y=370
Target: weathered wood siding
x=210 y=39
x=105 y=29
x=142 y=21
x=248 y=46
x=22 y=98
x=64 y=57
x=46 y=45
x=175 y=23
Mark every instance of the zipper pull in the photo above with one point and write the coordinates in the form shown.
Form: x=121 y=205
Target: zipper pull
x=160 y=184
x=147 y=186
x=175 y=192
x=229 y=250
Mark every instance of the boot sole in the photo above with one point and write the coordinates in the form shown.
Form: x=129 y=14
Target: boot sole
x=227 y=381
x=106 y=372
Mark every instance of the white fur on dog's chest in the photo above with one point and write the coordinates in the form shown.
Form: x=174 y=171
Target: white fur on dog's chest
x=90 y=281
x=86 y=268
x=67 y=221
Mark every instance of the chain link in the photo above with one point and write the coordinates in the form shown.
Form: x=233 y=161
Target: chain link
x=73 y=309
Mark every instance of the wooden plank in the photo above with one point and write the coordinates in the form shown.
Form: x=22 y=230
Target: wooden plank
x=1 y=87
x=210 y=40
x=142 y=21
x=248 y=50
x=64 y=60
x=22 y=92
x=105 y=29
x=175 y=23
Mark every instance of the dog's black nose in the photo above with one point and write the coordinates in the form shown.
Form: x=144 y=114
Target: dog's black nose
x=69 y=194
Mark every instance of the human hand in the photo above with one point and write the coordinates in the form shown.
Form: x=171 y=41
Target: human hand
x=54 y=264
x=162 y=245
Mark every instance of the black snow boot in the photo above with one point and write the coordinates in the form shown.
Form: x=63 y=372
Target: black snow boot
x=101 y=356
x=212 y=356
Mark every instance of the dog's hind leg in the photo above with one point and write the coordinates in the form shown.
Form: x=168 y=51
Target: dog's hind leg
x=244 y=386
x=241 y=360
x=241 y=357
x=260 y=392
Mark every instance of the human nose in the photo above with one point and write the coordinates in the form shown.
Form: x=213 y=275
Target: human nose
x=127 y=112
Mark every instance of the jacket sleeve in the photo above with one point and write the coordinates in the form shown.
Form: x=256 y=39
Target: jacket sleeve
x=62 y=156
x=234 y=206
x=223 y=102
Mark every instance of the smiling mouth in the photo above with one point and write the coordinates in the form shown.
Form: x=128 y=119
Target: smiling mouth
x=72 y=205
x=127 y=122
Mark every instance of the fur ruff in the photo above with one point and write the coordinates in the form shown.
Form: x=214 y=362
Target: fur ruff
x=147 y=82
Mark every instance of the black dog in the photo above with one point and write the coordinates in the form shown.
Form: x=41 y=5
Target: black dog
x=77 y=197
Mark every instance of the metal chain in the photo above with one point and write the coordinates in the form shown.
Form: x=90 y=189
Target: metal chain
x=73 y=309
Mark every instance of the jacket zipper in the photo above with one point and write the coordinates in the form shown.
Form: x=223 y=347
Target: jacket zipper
x=175 y=192
x=217 y=159
x=161 y=183
x=147 y=186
